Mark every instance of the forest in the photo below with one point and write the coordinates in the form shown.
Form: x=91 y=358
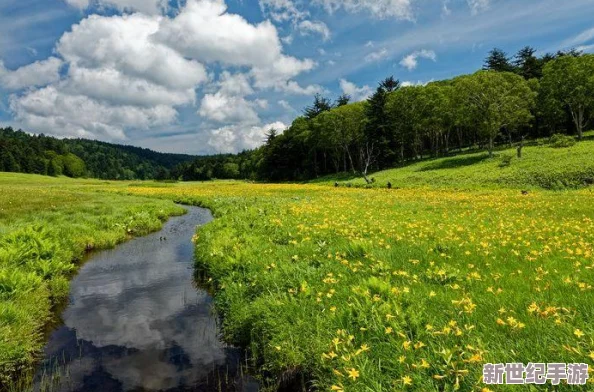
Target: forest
x=510 y=101
x=40 y=154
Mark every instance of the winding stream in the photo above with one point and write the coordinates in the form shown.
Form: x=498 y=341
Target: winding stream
x=137 y=322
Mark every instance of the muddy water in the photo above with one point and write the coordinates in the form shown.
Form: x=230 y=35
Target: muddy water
x=137 y=322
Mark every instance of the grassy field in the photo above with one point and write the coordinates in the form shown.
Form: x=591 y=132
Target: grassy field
x=46 y=226
x=541 y=166
x=371 y=290
x=350 y=289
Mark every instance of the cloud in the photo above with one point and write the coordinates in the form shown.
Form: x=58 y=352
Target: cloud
x=477 y=6
x=582 y=38
x=286 y=105
x=40 y=73
x=409 y=83
x=308 y=27
x=235 y=138
x=226 y=109
x=356 y=93
x=132 y=72
x=205 y=32
x=585 y=48
x=282 y=10
x=411 y=61
x=376 y=56
x=51 y=110
x=151 y=7
x=381 y=9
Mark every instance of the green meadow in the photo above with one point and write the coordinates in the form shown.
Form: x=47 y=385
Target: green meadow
x=341 y=288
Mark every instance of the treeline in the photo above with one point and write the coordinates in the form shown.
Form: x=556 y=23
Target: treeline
x=510 y=100
x=39 y=154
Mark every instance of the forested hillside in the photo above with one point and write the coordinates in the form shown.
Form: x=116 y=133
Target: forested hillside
x=39 y=154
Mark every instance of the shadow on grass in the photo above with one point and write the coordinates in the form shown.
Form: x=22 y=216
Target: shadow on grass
x=452 y=163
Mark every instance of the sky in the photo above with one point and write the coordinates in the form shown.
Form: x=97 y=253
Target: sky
x=213 y=76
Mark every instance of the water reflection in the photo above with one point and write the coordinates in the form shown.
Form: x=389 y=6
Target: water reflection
x=136 y=322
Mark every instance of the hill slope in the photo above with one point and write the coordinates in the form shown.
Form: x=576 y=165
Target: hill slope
x=540 y=166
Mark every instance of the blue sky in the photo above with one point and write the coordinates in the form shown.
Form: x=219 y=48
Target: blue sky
x=209 y=76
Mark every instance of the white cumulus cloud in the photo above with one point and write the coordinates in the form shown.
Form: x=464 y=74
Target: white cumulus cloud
x=355 y=92
x=132 y=72
x=240 y=137
x=411 y=61
x=38 y=74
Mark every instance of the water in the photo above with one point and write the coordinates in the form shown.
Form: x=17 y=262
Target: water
x=137 y=322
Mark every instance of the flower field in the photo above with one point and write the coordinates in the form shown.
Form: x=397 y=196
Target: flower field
x=415 y=289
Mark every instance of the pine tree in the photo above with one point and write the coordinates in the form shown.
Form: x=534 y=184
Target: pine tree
x=498 y=61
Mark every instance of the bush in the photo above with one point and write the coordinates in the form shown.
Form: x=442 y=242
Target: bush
x=506 y=160
x=562 y=141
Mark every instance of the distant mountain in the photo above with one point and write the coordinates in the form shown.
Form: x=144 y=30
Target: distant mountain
x=40 y=154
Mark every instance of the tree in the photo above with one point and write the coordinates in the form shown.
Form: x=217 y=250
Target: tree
x=378 y=129
x=345 y=127
x=497 y=100
x=8 y=163
x=319 y=106
x=527 y=64
x=568 y=82
x=498 y=61
x=231 y=170
x=343 y=100
x=73 y=166
x=404 y=115
x=390 y=84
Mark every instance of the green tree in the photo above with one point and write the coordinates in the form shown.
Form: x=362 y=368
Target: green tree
x=319 y=106
x=379 y=139
x=73 y=166
x=568 y=82
x=527 y=64
x=231 y=170
x=497 y=100
x=497 y=60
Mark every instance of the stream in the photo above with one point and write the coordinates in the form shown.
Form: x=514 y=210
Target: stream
x=137 y=322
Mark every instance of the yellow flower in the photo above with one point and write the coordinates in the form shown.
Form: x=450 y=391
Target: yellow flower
x=336 y=388
x=578 y=333
x=591 y=355
x=389 y=330
x=353 y=373
x=406 y=380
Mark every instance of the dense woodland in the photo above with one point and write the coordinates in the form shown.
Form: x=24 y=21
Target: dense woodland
x=511 y=100
x=39 y=154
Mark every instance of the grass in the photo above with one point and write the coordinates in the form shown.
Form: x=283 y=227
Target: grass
x=374 y=290
x=46 y=226
x=540 y=167
x=354 y=289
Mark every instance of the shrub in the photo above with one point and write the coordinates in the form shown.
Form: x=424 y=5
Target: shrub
x=562 y=141
x=506 y=160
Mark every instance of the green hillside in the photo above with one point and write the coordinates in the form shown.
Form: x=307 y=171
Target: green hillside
x=541 y=166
